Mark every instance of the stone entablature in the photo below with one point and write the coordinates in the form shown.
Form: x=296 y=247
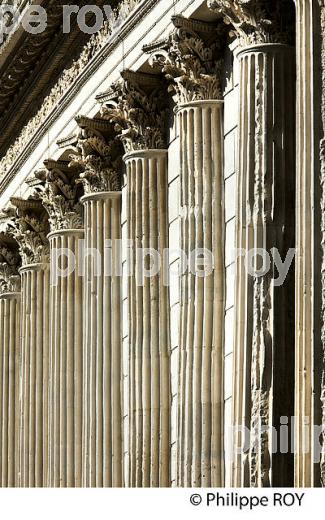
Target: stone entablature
x=67 y=79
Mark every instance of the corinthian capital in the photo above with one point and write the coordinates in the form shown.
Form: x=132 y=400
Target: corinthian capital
x=137 y=107
x=256 y=21
x=29 y=226
x=9 y=264
x=190 y=59
x=97 y=156
x=61 y=195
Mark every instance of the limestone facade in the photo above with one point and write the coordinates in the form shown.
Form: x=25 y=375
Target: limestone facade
x=179 y=126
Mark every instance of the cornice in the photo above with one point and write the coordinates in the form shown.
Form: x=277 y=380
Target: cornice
x=18 y=153
x=31 y=65
x=14 y=69
x=20 y=5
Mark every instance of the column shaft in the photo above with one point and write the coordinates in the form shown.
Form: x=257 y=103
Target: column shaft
x=309 y=269
x=65 y=361
x=264 y=312
x=34 y=363
x=102 y=423
x=9 y=388
x=200 y=423
x=149 y=370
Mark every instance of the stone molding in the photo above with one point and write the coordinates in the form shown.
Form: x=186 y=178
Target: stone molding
x=99 y=46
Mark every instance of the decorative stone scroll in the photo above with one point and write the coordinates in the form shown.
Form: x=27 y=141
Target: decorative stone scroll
x=97 y=156
x=256 y=21
x=137 y=107
x=61 y=195
x=9 y=263
x=190 y=59
x=30 y=228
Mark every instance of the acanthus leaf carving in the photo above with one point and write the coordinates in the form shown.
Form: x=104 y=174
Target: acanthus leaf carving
x=61 y=195
x=29 y=226
x=190 y=58
x=255 y=21
x=9 y=263
x=138 y=110
x=98 y=159
x=10 y=281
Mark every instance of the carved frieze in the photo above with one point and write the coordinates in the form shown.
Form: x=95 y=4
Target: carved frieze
x=256 y=21
x=190 y=59
x=66 y=80
x=97 y=157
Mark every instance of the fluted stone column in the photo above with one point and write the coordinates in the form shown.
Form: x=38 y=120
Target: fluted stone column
x=148 y=316
x=31 y=228
x=65 y=367
x=310 y=271
x=264 y=312
x=102 y=352
x=34 y=351
x=321 y=473
x=148 y=296
x=195 y=81
x=9 y=364
x=60 y=197
x=202 y=298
